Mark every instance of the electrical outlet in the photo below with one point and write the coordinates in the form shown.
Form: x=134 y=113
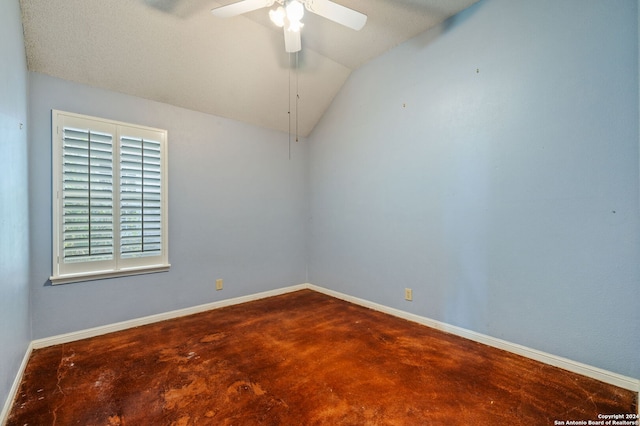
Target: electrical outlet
x=219 y=284
x=408 y=294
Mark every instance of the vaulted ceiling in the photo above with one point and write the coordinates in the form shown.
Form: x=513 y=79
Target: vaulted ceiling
x=176 y=51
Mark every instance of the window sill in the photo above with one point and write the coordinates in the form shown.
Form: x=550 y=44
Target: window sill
x=101 y=275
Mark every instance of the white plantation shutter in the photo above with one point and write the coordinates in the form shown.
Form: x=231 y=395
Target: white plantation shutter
x=87 y=195
x=140 y=194
x=109 y=199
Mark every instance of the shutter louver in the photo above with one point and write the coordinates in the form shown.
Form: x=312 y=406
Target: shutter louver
x=140 y=202
x=87 y=196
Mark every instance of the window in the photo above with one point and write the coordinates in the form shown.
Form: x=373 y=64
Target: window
x=109 y=198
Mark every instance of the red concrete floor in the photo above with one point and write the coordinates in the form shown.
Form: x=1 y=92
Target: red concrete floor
x=303 y=358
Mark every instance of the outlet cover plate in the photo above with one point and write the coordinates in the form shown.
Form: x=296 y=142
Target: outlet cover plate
x=408 y=294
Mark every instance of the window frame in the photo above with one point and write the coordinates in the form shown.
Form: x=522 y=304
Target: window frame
x=118 y=266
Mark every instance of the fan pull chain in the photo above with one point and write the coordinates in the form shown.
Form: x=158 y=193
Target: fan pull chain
x=296 y=104
x=289 y=111
x=297 y=96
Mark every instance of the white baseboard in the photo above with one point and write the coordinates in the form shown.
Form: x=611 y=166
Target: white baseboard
x=612 y=378
x=567 y=364
x=110 y=328
x=6 y=409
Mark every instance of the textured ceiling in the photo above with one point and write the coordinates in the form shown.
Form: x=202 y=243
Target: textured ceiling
x=175 y=51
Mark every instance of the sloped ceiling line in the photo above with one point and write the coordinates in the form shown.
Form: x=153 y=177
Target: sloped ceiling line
x=175 y=51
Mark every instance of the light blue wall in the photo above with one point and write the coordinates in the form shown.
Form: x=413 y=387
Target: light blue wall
x=237 y=211
x=15 y=331
x=491 y=165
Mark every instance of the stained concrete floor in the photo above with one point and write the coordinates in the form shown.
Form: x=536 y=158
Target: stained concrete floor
x=303 y=358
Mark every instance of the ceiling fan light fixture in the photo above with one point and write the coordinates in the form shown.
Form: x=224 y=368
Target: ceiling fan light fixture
x=288 y=15
x=295 y=10
x=277 y=16
x=295 y=26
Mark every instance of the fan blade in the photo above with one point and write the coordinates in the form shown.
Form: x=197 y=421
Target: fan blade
x=238 y=8
x=292 y=42
x=337 y=13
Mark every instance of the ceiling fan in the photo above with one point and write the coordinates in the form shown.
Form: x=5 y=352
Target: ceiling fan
x=289 y=14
